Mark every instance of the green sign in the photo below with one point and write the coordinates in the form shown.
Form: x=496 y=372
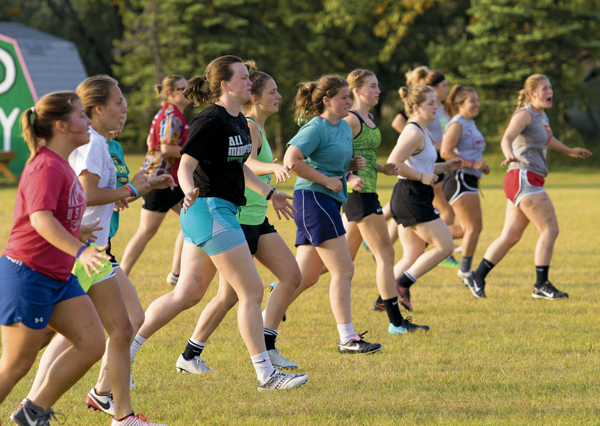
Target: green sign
x=15 y=97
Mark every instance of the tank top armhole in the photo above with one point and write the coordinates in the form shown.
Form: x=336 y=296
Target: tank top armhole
x=424 y=134
x=262 y=135
x=360 y=120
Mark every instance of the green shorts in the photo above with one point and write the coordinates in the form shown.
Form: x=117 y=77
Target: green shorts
x=86 y=282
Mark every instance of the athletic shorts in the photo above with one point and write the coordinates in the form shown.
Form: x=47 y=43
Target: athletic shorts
x=29 y=296
x=162 y=200
x=318 y=218
x=519 y=183
x=253 y=233
x=113 y=259
x=440 y=176
x=412 y=203
x=361 y=205
x=459 y=183
x=211 y=224
x=106 y=272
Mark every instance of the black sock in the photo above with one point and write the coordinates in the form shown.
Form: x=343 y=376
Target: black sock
x=465 y=265
x=270 y=338
x=541 y=273
x=406 y=280
x=379 y=299
x=191 y=350
x=393 y=311
x=132 y=414
x=484 y=268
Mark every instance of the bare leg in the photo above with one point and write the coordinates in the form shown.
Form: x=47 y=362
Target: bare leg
x=515 y=223
x=310 y=265
x=176 y=267
x=539 y=210
x=353 y=239
x=215 y=311
x=374 y=230
x=149 y=224
x=468 y=212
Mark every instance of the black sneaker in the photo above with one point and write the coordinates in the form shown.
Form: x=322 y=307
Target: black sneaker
x=377 y=306
x=407 y=327
x=32 y=415
x=356 y=345
x=548 y=291
x=476 y=285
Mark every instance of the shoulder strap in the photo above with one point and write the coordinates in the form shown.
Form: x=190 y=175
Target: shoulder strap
x=259 y=129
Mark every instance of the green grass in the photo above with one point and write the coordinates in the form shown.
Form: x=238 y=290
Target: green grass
x=505 y=360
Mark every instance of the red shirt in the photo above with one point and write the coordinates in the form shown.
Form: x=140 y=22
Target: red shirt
x=47 y=183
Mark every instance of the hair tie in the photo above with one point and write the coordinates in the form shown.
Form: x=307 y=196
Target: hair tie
x=32 y=110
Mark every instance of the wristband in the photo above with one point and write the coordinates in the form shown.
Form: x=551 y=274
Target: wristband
x=135 y=191
x=471 y=165
x=270 y=194
x=82 y=249
x=130 y=190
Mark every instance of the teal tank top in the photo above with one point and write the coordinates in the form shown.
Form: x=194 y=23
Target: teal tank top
x=255 y=210
x=365 y=145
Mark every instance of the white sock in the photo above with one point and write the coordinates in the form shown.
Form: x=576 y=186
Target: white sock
x=136 y=345
x=346 y=332
x=263 y=366
x=410 y=276
x=198 y=343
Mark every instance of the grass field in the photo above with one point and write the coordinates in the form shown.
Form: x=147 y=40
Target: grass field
x=505 y=360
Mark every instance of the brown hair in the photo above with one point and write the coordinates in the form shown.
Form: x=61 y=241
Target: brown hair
x=309 y=99
x=95 y=91
x=433 y=78
x=258 y=79
x=417 y=76
x=415 y=96
x=457 y=96
x=356 y=80
x=168 y=85
x=532 y=82
x=48 y=110
x=217 y=71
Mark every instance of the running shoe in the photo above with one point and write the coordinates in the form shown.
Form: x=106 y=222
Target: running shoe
x=194 y=365
x=404 y=297
x=357 y=345
x=450 y=262
x=31 y=415
x=377 y=306
x=407 y=327
x=135 y=420
x=282 y=381
x=457 y=249
x=271 y=288
x=466 y=277
x=548 y=291
x=478 y=287
x=102 y=403
x=279 y=361
x=172 y=278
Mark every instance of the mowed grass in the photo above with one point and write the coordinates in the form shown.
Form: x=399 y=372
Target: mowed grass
x=505 y=360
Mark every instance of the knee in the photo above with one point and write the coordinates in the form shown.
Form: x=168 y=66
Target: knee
x=344 y=274
x=385 y=256
x=94 y=348
x=227 y=300
x=15 y=372
x=552 y=231
x=446 y=247
x=121 y=332
x=137 y=319
x=511 y=238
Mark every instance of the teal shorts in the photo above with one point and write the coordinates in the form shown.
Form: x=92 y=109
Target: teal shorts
x=211 y=224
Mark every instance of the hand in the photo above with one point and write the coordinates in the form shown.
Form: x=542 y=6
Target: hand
x=162 y=182
x=86 y=231
x=479 y=164
x=334 y=183
x=429 y=179
x=391 y=169
x=190 y=198
x=360 y=163
x=454 y=164
x=90 y=259
x=486 y=170
x=282 y=173
x=355 y=182
x=579 y=153
x=510 y=159
x=121 y=205
x=140 y=182
x=279 y=201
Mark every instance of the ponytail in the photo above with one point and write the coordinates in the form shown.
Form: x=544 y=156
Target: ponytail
x=309 y=99
x=217 y=71
x=531 y=84
x=29 y=133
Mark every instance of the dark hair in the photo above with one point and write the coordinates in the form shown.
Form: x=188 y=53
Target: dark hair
x=48 y=110
x=415 y=96
x=259 y=79
x=168 y=85
x=309 y=99
x=95 y=91
x=433 y=78
x=217 y=71
x=457 y=96
x=356 y=79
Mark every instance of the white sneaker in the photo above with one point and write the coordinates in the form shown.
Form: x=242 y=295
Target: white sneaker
x=279 y=361
x=194 y=366
x=465 y=277
x=172 y=278
x=282 y=381
x=102 y=403
x=135 y=420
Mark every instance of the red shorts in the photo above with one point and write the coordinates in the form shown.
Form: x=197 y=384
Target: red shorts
x=519 y=183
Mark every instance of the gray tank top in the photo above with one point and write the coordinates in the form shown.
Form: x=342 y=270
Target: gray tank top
x=436 y=126
x=471 y=143
x=531 y=145
x=423 y=161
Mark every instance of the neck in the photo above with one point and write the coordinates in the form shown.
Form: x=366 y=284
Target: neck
x=466 y=115
x=332 y=118
x=259 y=117
x=231 y=105
x=102 y=130
x=421 y=121
x=178 y=106
x=60 y=147
x=362 y=108
x=537 y=108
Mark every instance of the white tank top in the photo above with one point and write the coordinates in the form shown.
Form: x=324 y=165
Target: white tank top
x=423 y=161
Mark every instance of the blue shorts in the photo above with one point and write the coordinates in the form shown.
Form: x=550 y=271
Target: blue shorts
x=29 y=296
x=211 y=225
x=318 y=218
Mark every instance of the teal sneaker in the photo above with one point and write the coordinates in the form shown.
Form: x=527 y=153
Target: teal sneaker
x=450 y=262
x=407 y=327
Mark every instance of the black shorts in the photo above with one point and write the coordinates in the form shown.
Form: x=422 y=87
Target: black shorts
x=162 y=200
x=253 y=233
x=441 y=176
x=458 y=183
x=112 y=259
x=361 y=205
x=412 y=203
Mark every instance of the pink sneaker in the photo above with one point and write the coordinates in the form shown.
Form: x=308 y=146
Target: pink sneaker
x=134 y=420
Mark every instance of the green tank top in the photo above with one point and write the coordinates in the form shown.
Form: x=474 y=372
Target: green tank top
x=365 y=145
x=253 y=213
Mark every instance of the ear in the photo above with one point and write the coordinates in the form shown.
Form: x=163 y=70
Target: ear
x=356 y=91
x=255 y=99
x=224 y=86
x=61 y=126
x=326 y=101
x=98 y=109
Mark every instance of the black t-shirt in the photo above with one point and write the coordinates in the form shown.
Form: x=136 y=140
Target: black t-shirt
x=221 y=143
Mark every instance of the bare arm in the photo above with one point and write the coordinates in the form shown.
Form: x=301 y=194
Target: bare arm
x=409 y=142
x=448 y=149
x=97 y=196
x=354 y=123
x=185 y=175
x=517 y=124
x=294 y=159
x=557 y=145
x=279 y=200
x=259 y=168
x=169 y=150
x=399 y=123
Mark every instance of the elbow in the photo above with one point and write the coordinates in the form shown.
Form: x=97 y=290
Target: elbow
x=446 y=155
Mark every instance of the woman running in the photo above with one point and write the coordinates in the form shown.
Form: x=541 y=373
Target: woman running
x=321 y=155
x=167 y=135
x=212 y=176
x=38 y=289
x=463 y=139
x=263 y=240
x=524 y=145
x=412 y=198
